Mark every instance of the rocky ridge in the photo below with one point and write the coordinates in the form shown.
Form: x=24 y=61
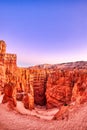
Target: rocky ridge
x=51 y=85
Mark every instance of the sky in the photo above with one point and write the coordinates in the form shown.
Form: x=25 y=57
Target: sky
x=44 y=31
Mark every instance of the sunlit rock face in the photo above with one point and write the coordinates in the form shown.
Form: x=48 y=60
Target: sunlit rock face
x=7 y=65
x=2 y=47
x=7 y=75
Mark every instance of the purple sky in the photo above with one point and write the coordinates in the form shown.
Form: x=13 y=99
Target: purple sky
x=47 y=31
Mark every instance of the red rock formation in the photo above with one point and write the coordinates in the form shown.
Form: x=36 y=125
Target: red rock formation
x=2 y=78
x=62 y=114
x=28 y=101
x=2 y=47
x=79 y=92
x=50 y=85
x=36 y=78
x=59 y=89
x=9 y=94
x=64 y=87
x=38 y=81
x=7 y=65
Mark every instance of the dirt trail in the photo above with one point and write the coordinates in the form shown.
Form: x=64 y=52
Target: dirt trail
x=40 y=113
x=12 y=120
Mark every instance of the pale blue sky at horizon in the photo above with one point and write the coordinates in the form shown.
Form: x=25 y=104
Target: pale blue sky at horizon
x=44 y=31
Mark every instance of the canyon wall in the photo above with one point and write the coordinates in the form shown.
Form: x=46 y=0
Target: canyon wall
x=8 y=69
x=65 y=87
x=50 y=85
x=7 y=65
x=32 y=78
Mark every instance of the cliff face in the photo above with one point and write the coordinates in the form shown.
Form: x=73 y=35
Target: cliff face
x=57 y=85
x=33 y=81
x=50 y=85
x=8 y=75
x=2 y=77
x=66 y=86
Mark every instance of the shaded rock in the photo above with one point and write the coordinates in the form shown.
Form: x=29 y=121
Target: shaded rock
x=59 y=89
x=19 y=96
x=28 y=101
x=9 y=94
x=62 y=114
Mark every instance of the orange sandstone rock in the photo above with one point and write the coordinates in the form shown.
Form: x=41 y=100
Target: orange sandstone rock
x=9 y=94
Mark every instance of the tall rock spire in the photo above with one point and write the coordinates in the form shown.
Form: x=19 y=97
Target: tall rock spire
x=2 y=47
